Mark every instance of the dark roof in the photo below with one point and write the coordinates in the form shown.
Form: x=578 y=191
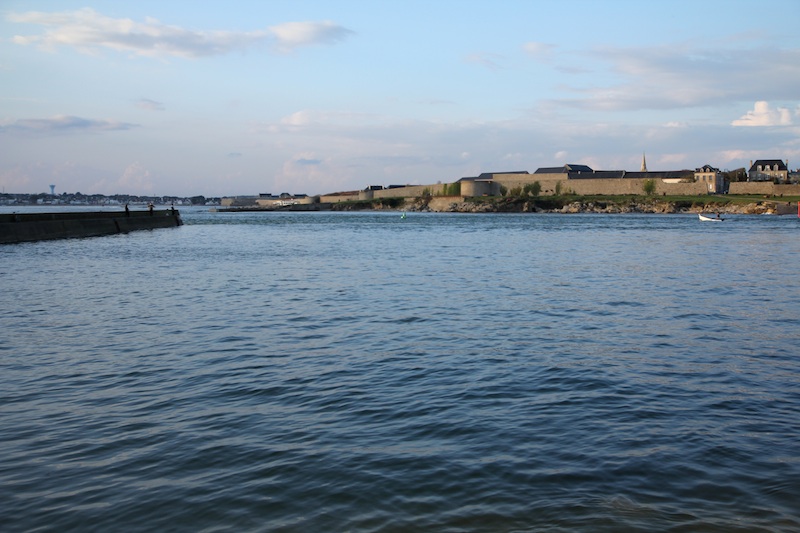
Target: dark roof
x=550 y=170
x=579 y=168
x=620 y=174
x=564 y=170
x=490 y=175
x=665 y=174
x=768 y=162
x=707 y=168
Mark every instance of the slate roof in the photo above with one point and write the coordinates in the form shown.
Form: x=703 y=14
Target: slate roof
x=623 y=174
x=490 y=175
x=564 y=170
x=768 y=162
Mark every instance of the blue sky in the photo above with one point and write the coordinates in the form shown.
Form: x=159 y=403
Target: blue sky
x=212 y=98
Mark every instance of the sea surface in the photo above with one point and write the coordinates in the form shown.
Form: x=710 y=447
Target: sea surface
x=320 y=372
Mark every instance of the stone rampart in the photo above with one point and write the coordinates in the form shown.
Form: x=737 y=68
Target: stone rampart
x=763 y=187
x=605 y=186
x=480 y=188
x=550 y=183
x=412 y=191
x=336 y=198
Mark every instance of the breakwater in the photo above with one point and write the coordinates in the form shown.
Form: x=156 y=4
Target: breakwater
x=27 y=227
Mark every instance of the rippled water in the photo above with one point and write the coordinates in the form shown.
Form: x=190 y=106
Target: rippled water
x=359 y=372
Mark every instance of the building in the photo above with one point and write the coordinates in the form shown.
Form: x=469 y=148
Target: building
x=773 y=170
x=711 y=177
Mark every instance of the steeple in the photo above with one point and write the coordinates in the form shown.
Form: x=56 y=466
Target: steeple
x=644 y=163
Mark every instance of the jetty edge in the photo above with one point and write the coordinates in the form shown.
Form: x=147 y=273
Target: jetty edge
x=29 y=227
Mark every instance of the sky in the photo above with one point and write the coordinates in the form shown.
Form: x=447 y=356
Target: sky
x=313 y=97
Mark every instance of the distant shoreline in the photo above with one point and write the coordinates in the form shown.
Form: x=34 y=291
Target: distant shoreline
x=572 y=205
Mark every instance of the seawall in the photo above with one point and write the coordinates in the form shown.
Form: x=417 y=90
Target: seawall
x=27 y=227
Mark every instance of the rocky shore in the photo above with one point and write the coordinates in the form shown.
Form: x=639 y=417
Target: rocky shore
x=514 y=205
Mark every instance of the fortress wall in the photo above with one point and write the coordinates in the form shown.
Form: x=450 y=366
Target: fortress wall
x=548 y=182
x=677 y=189
x=479 y=188
x=763 y=187
x=607 y=186
x=412 y=191
x=336 y=198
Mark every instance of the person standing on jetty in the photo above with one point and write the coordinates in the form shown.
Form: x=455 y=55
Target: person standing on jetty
x=150 y=208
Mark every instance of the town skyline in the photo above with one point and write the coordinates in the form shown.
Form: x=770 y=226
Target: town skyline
x=162 y=99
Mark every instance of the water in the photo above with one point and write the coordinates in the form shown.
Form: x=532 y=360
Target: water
x=359 y=372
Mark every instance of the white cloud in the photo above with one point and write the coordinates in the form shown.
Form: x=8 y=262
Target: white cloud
x=485 y=59
x=291 y=35
x=149 y=105
x=539 y=51
x=64 y=124
x=762 y=115
x=88 y=30
x=322 y=119
x=136 y=178
x=681 y=76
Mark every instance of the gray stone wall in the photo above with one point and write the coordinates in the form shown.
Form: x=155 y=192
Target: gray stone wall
x=763 y=187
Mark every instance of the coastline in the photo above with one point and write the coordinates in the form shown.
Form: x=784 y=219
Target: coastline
x=549 y=205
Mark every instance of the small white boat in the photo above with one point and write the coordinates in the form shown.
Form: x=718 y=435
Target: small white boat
x=706 y=218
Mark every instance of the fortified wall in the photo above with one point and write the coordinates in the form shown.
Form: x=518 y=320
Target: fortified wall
x=597 y=186
x=552 y=182
x=763 y=187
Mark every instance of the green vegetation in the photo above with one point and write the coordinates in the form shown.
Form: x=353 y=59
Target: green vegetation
x=649 y=187
x=530 y=189
x=376 y=203
x=451 y=189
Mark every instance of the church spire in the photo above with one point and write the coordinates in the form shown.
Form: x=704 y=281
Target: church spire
x=644 y=163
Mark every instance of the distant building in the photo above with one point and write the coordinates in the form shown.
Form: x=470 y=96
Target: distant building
x=768 y=170
x=711 y=177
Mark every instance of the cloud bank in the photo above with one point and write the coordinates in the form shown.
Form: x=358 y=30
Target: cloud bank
x=88 y=31
x=64 y=124
x=670 y=77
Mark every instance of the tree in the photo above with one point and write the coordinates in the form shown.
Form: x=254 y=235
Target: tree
x=533 y=189
x=649 y=186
